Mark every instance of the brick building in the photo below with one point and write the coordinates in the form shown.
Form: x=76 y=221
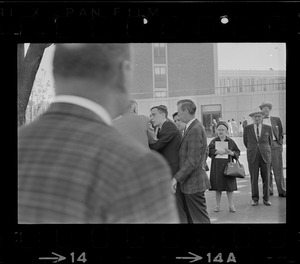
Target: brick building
x=175 y=69
x=167 y=72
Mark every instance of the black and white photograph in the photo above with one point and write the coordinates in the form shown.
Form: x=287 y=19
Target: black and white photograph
x=148 y=133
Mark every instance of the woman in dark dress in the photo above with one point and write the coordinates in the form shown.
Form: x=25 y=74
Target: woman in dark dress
x=218 y=154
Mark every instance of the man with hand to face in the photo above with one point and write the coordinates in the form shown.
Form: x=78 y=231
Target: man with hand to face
x=167 y=144
x=191 y=179
x=168 y=136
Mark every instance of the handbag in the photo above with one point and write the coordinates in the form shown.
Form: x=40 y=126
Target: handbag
x=234 y=169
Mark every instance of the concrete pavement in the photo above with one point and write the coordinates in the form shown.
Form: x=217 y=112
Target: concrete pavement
x=245 y=212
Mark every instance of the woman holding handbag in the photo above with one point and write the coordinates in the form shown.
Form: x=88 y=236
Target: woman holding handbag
x=221 y=149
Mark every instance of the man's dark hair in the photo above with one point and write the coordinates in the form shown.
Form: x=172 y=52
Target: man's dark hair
x=187 y=104
x=175 y=114
x=161 y=109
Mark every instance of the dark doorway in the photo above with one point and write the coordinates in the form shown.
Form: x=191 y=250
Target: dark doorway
x=207 y=122
x=210 y=112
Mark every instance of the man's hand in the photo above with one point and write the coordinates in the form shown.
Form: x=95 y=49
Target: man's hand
x=174 y=185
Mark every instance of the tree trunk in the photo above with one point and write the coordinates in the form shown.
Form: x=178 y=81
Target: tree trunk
x=27 y=68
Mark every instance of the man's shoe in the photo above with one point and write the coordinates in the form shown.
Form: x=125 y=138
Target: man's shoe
x=254 y=203
x=282 y=195
x=267 y=203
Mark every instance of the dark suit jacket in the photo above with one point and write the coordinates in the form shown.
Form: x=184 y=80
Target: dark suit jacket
x=74 y=168
x=252 y=145
x=277 y=129
x=192 y=153
x=168 y=144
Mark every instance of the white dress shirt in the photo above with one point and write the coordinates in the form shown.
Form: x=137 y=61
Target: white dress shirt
x=86 y=103
x=267 y=121
x=259 y=129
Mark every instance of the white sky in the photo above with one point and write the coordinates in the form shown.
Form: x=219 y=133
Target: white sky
x=251 y=56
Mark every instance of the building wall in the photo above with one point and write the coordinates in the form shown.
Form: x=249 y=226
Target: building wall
x=142 y=83
x=234 y=106
x=191 y=69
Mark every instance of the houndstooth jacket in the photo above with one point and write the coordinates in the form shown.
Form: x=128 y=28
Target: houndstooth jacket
x=74 y=168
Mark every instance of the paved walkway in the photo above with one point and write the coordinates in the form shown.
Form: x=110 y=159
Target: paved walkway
x=245 y=213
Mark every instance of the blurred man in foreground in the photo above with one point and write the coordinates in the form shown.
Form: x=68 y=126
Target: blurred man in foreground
x=134 y=125
x=73 y=166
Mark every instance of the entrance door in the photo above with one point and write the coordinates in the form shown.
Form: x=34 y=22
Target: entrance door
x=210 y=112
x=207 y=121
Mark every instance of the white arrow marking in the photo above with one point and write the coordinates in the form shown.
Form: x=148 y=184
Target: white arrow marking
x=194 y=259
x=57 y=259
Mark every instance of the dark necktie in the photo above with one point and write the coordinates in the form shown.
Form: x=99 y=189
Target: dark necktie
x=257 y=132
x=158 y=130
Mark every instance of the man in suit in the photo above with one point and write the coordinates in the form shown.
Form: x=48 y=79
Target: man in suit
x=191 y=178
x=245 y=122
x=258 y=140
x=178 y=123
x=276 y=148
x=181 y=127
x=167 y=144
x=134 y=125
x=73 y=166
x=168 y=137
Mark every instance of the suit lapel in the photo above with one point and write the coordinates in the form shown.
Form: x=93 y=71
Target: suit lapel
x=189 y=128
x=273 y=126
x=252 y=131
x=160 y=129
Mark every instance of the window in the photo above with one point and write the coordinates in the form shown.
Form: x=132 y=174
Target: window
x=271 y=84
x=241 y=85
x=160 y=94
x=252 y=83
x=259 y=85
x=265 y=84
x=160 y=78
x=160 y=73
x=159 y=53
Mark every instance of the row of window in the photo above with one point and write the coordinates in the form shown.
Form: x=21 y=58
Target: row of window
x=251 y=88
x=160 y=88
x=227 y=82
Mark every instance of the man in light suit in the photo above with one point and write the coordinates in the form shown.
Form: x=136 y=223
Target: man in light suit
x=134 y=125
x=73 y=166
x=276 y=148
x=258 y=140
x=191 y=177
